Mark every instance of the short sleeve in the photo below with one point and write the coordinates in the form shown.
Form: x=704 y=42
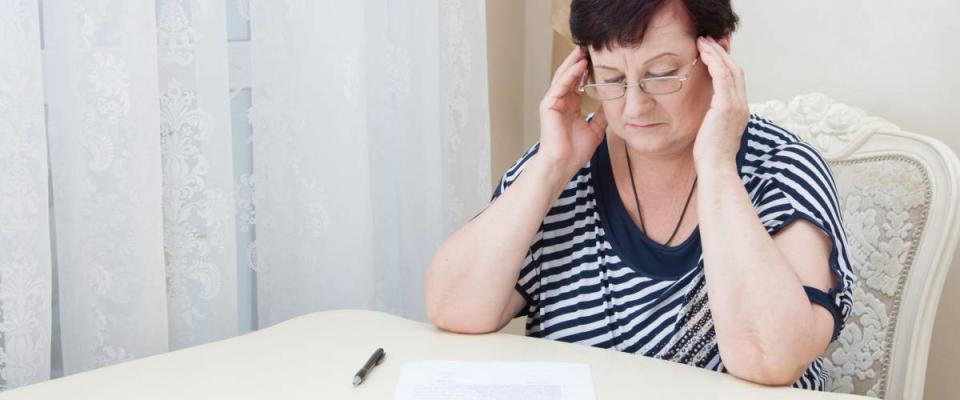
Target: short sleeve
x=514 y=171
x=528 y=282
x=796 y=183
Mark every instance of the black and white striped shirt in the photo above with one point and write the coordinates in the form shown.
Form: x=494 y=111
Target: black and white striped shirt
x=580 y=288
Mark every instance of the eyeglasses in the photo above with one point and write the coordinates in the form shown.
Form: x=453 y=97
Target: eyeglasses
x=654 y=86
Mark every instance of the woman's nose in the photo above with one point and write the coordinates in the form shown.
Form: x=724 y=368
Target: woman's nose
x=636 y=102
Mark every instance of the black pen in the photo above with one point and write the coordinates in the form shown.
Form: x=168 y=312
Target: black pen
x=373 y=361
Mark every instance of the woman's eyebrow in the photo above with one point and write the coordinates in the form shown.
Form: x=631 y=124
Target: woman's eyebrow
x=654 y=58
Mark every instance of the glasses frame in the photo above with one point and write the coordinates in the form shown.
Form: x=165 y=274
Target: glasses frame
x=641 y=83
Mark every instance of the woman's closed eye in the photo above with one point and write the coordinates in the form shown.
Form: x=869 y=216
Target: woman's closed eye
x=661 y=75
x=620 y=79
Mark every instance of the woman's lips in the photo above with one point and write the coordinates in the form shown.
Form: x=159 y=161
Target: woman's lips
x=647 y=126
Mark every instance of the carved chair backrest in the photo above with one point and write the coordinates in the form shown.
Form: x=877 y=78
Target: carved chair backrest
x=898 y=193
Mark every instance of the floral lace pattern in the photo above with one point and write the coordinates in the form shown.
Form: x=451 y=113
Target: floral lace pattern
x=25 y=290
x=194 y=214
x=106 y=181
x=198 y=204
x=885 y=202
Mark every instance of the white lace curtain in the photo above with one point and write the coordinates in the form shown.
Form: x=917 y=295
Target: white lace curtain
x=174 y=172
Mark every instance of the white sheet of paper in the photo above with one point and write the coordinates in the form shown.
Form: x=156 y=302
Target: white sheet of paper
x=459 y=380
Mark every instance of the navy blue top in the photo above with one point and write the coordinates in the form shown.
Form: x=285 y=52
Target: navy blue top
x=636 y=249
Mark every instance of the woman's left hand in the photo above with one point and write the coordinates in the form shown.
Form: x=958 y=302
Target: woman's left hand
x=718 y=140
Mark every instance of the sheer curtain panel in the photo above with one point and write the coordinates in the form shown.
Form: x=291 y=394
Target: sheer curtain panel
x=175 y=172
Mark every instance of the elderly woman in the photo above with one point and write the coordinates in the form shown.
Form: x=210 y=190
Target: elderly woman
x=673 y=224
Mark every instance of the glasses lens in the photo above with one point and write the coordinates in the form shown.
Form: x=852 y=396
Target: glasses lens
x=604 y=92
x=662 y=86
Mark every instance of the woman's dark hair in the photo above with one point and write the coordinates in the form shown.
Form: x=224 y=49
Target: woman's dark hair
x=605 y=23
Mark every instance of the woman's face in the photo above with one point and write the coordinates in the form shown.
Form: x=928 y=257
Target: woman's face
x=666 y=124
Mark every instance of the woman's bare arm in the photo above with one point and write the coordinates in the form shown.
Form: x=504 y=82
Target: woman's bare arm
x=470 y=281
x=767 y=329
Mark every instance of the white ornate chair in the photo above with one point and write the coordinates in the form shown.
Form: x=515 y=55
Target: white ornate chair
x=899 y=195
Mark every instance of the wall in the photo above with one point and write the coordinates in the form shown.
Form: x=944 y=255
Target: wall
x=518 y=52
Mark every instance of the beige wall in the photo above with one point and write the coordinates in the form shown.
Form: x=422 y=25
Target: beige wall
x=505 y=44
x=893 y=58
x=519 y=40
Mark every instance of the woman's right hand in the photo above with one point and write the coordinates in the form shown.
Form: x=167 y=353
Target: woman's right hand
x=566 y=139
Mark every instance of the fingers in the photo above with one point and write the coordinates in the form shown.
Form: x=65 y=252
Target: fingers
x=566 y=83
x=735 y=71
x=722 y=80
x=728 y=77
x=569 y=80
x=576 y=55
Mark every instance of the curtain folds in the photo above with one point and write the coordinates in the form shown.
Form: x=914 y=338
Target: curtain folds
x=175 y=172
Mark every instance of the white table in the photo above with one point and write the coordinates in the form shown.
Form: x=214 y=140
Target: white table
x=316 y=355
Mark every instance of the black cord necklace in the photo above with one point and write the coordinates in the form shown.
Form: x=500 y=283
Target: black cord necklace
x=637 y=198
